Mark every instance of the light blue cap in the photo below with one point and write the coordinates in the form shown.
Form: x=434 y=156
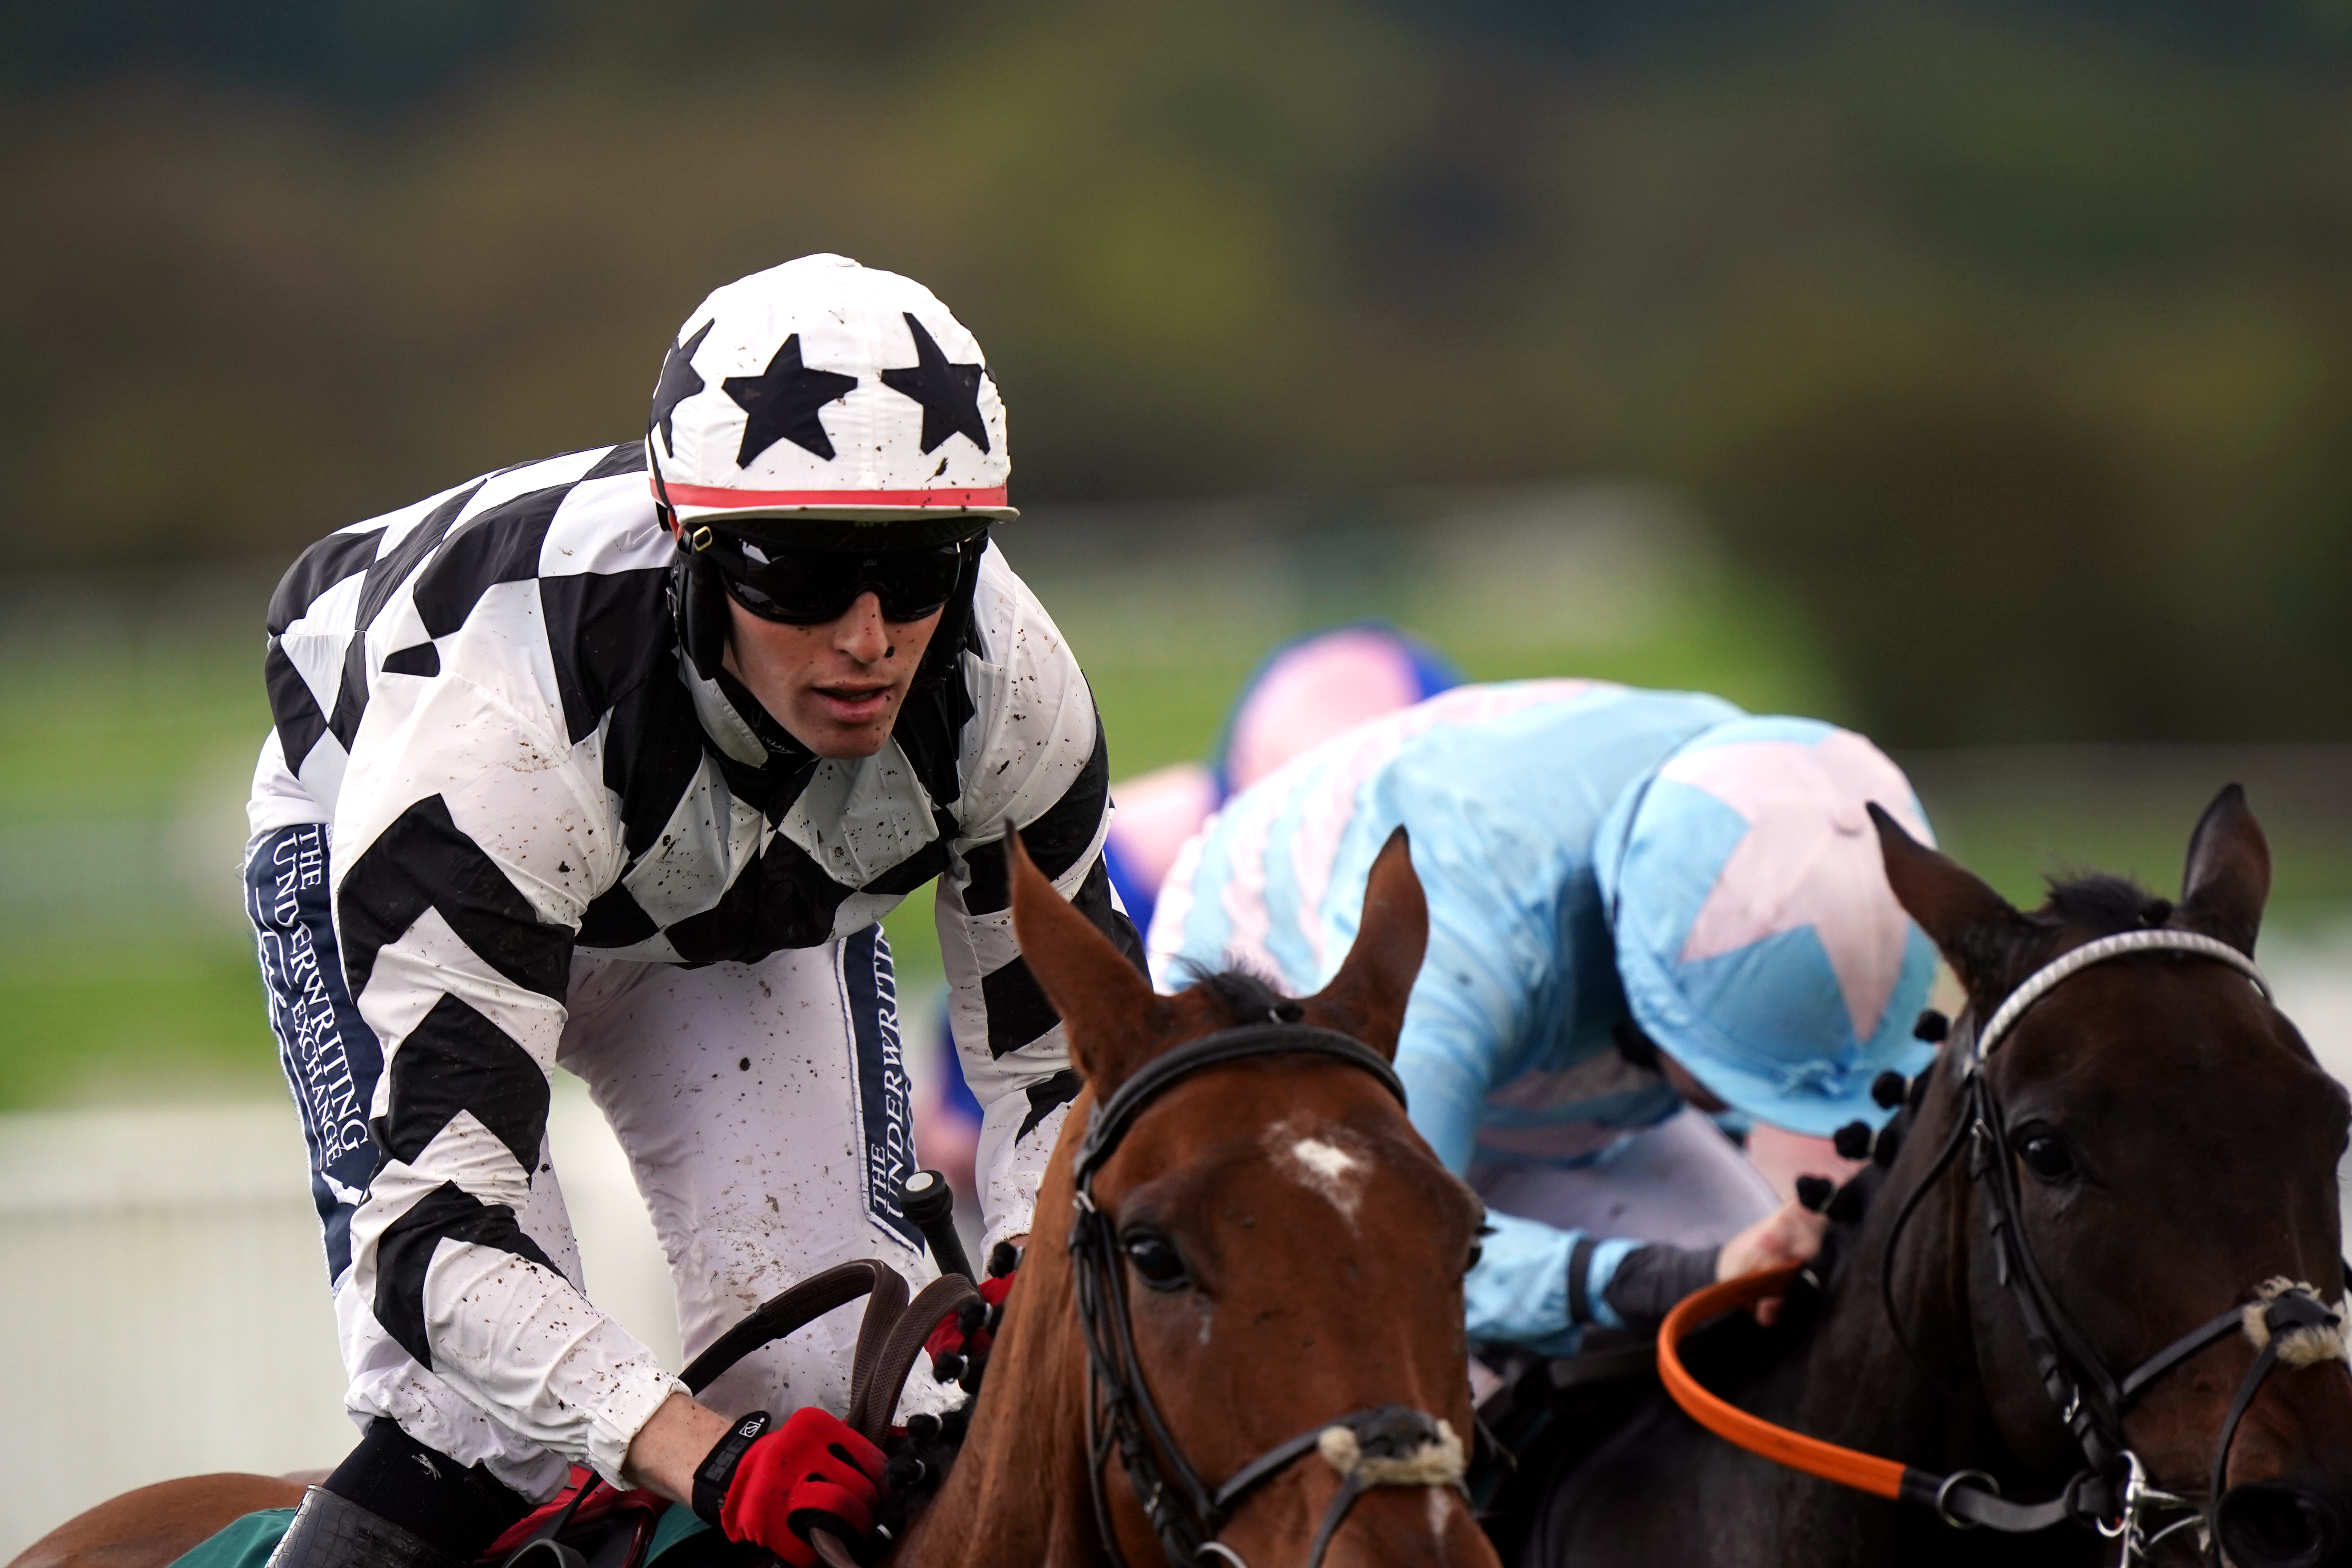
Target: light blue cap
x=1759 y=942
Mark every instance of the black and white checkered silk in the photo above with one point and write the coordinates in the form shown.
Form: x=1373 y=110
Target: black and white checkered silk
x=482 y=696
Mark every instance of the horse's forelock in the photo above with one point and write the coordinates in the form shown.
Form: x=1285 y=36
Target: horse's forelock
x=1246 y=996
x=2103 y=905
x=2080 y=907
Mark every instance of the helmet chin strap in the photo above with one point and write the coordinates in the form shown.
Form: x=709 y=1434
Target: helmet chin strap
x=698 y=604
x=698 y=607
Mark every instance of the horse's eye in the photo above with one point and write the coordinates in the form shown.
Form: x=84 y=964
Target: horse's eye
x=2046 y=1154
x=1156 y=1259
x=1477 y=1251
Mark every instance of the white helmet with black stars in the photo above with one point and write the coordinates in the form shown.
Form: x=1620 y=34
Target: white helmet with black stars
x=825 y=391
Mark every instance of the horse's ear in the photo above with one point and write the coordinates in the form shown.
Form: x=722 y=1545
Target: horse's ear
x=1110 y=1013
x=2228 y=877
x=1974 y=927
x=1367 y=998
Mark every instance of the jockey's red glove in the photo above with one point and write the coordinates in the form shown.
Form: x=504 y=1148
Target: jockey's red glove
x=815 y=1472
x=969 y=1331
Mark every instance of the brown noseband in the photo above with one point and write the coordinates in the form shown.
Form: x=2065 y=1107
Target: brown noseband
x=1388 y=1445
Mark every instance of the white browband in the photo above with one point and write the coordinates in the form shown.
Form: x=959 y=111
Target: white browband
x=2043 y=980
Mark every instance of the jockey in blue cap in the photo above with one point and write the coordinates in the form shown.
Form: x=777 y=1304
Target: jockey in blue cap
x=1643 y=906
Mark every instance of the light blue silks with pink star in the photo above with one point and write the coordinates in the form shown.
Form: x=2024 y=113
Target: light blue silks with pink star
x=1756 y=936
x=1506 y=1053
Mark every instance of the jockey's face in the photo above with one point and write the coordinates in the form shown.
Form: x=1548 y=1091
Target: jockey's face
x=836 y=687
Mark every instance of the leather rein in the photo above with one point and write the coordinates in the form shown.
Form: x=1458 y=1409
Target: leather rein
x=888 y=1338
x=1387 y=1445
x=2112 y=1493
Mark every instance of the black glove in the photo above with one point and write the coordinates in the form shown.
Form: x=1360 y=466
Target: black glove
x=1651 y=1280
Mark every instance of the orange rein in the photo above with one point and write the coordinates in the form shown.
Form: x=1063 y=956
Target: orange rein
x=1846 y=1466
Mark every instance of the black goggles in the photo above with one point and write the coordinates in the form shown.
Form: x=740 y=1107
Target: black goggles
x=810 y=587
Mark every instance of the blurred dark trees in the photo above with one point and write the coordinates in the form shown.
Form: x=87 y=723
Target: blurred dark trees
x=2010 y=338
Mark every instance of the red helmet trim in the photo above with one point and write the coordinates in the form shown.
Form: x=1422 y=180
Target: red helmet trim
x=738 y=500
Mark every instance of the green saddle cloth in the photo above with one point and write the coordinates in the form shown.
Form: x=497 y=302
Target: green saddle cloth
x=248 y=1543
x=244 y=1544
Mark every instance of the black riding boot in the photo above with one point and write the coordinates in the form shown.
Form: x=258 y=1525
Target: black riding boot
x=395 y=1503
x=329 y=1531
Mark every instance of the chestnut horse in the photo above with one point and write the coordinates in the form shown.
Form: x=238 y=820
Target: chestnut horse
x=2173 y=1146
x=1292 y=1255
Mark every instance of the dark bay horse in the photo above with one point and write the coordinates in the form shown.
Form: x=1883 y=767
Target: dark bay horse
x=2175 y=1146
x=1292 y=1255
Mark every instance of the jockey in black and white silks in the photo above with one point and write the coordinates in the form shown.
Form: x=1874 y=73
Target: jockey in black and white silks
x=520 y=806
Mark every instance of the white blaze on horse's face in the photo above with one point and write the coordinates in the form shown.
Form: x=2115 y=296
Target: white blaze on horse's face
x=1319 y=1159
x=1440 y=1498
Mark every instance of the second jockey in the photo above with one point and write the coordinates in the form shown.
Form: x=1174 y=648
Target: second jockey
x=586 y=764
x=1644 y=907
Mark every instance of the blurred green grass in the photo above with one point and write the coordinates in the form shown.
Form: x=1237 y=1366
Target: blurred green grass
x=2016 y=815
x=128 y=724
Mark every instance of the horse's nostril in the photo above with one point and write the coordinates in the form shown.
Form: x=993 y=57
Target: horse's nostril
x=2266 y=1525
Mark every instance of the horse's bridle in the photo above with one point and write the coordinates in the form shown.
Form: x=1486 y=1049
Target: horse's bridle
x=1388 y=1445
x=2112 y=1492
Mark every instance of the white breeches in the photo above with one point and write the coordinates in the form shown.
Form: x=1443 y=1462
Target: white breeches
x=1681 y=1182
x=761 y=1106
